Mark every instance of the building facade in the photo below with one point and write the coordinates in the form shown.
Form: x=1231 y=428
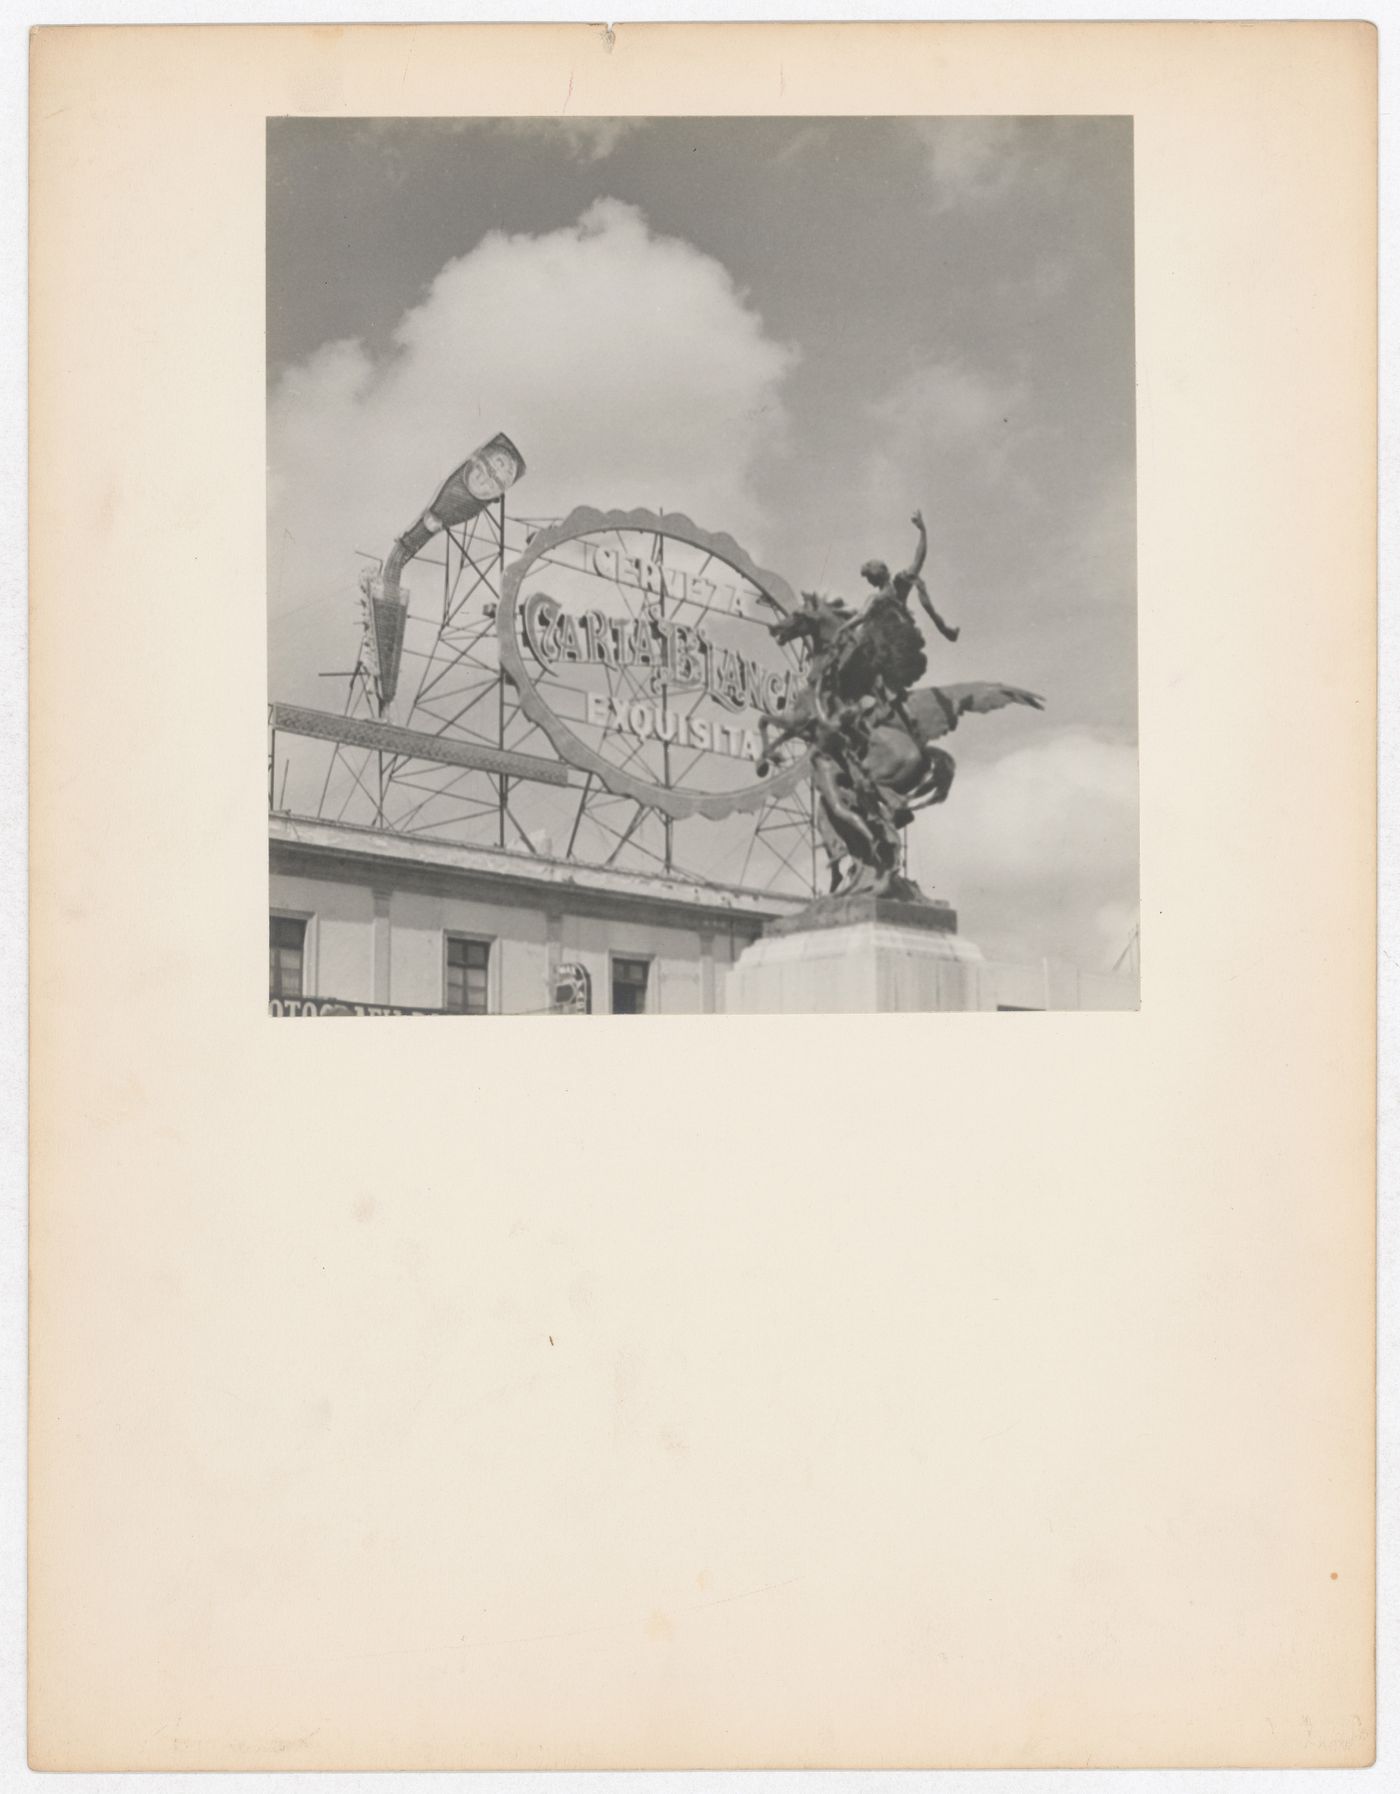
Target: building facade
x=363 y=918
x=363 y=921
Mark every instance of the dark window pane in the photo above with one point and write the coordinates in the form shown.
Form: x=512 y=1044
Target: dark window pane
x=287 y=937
x=466 y=983
x=629 y=982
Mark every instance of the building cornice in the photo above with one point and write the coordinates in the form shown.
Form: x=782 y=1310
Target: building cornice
x=300 y=847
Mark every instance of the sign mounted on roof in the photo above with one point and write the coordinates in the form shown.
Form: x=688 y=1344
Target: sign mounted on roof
x=640 y=645
x=487 y=474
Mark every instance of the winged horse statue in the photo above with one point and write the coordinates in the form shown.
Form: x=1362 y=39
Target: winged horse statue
x=874 y=762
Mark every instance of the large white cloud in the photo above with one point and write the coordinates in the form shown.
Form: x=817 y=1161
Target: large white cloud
x=1038 y=847
x=627 y=366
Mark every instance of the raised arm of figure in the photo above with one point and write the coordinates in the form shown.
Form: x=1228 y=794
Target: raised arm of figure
x=913 y=576
x=916 y=566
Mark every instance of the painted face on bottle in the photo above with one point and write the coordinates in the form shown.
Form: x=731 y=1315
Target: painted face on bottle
x=491 y=475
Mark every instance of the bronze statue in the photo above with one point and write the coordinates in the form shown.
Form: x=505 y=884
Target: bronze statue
x=887 y=633
x=870 y=734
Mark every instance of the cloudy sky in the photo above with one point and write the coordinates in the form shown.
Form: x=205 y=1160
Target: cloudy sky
x=794 y=330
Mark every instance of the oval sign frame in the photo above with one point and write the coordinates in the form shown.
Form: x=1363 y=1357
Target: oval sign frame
x=679 y=801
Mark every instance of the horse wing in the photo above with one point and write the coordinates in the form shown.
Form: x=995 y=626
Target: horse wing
x=937 y=708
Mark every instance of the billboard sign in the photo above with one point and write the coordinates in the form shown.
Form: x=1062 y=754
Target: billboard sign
x=640 y=645
x=487 y=474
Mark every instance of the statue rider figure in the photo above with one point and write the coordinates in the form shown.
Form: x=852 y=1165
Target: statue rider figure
x=885 y=636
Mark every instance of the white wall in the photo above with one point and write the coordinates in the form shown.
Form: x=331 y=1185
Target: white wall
x=674 y=984
x=418 y=927
x=339 y=939
x=340 y=949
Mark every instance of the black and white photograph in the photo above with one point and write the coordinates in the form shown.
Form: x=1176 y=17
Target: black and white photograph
x=701 y=565
x=830 y=526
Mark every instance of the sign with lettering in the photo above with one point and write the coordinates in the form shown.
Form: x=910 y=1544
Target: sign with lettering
x=338 y=1006
x=640 y=645
x=572 y=989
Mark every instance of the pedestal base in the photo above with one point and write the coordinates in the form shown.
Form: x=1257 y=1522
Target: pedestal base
x=860 y=956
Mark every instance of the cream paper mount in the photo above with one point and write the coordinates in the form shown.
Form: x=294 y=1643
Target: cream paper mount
x=743 y=1391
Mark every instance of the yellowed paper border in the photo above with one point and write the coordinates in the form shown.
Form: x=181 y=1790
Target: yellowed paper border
x=1053 y=1443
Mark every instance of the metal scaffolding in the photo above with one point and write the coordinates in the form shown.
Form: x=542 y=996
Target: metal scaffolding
x=451 y=688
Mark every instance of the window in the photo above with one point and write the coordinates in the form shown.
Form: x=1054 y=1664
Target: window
x=468 y=963
x=287 y=943
x=629 y=986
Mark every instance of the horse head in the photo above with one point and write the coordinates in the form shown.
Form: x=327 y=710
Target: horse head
x=817 y=623
x=795 y=626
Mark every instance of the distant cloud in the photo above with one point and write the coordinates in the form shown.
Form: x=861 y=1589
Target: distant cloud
x=1039 y=847
x=979 y=162
x=1102 y=559
x=798 y=145
x=970 y=160
x=964 y=442
x=1085 y=558
x=943 y=432
x=1051 y=278
x=626 y=365
x=590 y=139
x=945 y=402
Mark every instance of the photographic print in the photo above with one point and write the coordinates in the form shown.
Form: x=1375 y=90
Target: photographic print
x=701 y=565
x=712 y=562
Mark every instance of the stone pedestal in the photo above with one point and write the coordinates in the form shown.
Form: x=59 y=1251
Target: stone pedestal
x=861 y=955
